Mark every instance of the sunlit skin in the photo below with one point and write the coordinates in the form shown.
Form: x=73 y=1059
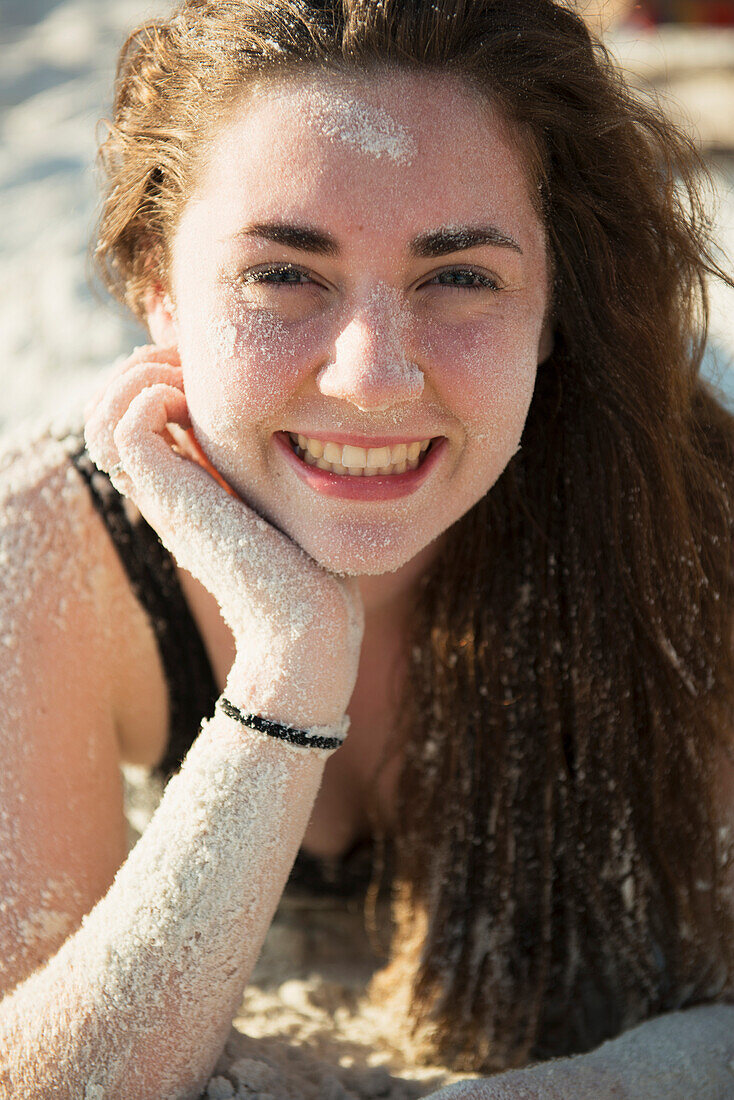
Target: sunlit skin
x=370 y=341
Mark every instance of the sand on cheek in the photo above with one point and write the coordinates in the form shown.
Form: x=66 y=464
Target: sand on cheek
x=487 y=383
x=244 y=359
x=499 y=420
x=248 y=365
x=238 y=376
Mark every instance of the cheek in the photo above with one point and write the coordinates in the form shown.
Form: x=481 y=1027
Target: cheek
x=239 y=369
x=502 y=393
x=488 y=376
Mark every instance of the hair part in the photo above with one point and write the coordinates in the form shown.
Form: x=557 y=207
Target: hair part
x=560 y=865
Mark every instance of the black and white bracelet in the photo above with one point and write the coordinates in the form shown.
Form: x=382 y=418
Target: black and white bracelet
x=327 y=738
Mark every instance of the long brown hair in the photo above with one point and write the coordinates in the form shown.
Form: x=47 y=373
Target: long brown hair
x=559 y=864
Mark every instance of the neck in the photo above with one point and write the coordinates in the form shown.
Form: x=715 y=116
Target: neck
x=387 y=597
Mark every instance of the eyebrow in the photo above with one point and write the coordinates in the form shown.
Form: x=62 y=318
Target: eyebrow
x=458 y=238
x=437 y=242
x=294 y=236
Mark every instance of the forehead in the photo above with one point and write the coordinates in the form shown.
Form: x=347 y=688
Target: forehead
x=393 y=145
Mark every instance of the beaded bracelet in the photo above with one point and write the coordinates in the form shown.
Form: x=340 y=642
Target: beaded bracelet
x=320 y=737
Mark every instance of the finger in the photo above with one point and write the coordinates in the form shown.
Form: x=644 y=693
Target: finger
x=100 y=428
x=199 y=456
x=215 y=536
x=148 y=353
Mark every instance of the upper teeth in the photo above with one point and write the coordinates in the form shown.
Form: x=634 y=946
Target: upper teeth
x=343 y=458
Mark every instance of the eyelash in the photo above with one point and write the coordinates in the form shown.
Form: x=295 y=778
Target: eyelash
x=260 y=276
x=484 y=282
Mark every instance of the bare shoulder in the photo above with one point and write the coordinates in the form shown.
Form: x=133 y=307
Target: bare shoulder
x=77 y=657
x=44 y=533
x=61 y=572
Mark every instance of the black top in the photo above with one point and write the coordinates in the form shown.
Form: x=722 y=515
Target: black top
x=192 y=689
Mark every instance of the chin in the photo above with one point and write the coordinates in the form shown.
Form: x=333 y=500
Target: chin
x=362 y=551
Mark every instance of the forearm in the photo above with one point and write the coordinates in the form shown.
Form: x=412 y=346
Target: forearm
x=139 y=1001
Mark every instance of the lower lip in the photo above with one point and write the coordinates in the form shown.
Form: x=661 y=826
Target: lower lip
x=354 y=487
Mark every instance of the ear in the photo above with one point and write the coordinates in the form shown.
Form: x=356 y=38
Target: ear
x=161 y=317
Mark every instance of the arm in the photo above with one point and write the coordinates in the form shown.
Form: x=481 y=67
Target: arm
x=137 y=1002
x=677 y=1056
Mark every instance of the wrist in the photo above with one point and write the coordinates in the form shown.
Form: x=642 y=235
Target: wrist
x=324 y=739
x=285 y=694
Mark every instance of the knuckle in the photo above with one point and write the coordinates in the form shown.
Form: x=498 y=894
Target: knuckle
x=145 y=377
x=151 y=353
x=140 y=376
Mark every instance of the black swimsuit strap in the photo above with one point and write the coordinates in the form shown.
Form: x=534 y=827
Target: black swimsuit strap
x=192 y=690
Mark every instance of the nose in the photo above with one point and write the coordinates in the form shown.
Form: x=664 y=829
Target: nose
x=370 y=366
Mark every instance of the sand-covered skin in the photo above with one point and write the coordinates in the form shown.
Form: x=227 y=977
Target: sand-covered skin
x=406 y=377
x=138 y=1002
x=50 y=878
x=380 y=339
x=297 y=629
x=373 y=132
x=139 y=999
x=305 y=1025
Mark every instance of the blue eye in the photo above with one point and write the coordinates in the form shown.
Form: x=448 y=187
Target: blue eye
x=466 y=279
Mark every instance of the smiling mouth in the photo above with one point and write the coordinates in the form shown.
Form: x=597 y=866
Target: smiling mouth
x=337 y=458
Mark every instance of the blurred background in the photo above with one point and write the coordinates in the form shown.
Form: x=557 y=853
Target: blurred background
x=57 y=58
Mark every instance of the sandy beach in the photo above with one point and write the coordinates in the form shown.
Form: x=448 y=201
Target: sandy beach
x=304 y=1029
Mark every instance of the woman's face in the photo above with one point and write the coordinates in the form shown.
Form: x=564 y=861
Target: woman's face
x=360 y=264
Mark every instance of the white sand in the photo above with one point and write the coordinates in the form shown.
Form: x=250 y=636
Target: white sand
x=310 y=1035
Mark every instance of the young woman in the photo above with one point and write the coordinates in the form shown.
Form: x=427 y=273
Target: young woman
x=422 y=429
